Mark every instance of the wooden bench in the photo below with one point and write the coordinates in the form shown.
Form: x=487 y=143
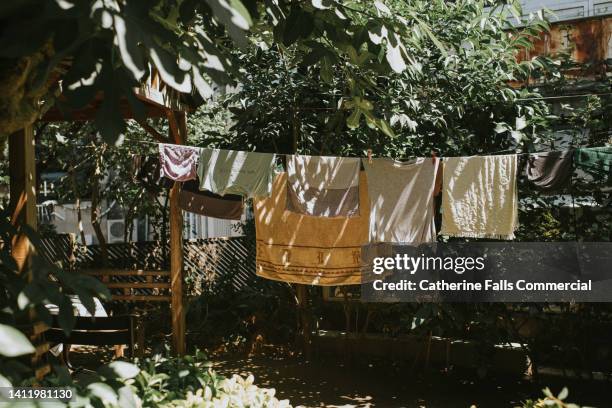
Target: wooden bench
x=95 y=331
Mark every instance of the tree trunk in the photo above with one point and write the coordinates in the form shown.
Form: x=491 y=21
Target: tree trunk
x=77 y=205
x=95 y=211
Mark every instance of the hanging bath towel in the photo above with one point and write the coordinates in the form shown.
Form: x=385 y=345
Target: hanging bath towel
x=178 y=163
x=323 y=186
x=299 y=248
x=550 y=172
x=249 y=174
x=479 y=197
x=594 y=167
x=191 y=199
x=401 y=200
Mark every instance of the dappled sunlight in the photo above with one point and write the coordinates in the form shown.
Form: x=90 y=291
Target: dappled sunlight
x=299 y=248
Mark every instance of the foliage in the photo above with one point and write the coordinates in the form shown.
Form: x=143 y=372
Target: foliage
x=90 y=165
x=24 y=293
x=190 y=382
x=112 y=46
x=163 y=381
x=551 y=401
x=259 y=308
x=456 y=100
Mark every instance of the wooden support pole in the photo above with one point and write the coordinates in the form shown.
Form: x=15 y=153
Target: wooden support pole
x=22 y=172
x=176 y=247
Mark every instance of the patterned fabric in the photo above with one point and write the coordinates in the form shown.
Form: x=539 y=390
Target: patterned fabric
x=298 y=248
x=249 y=174
x=401 y=200
x=479 y=197
x=178 y=163
x=550 y=172
x=323 y=186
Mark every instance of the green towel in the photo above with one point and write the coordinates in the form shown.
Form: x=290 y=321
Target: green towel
x=594 y=167
x=249 y=174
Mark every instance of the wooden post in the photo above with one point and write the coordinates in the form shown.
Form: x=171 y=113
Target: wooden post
x=176 y=246
x=22 y=171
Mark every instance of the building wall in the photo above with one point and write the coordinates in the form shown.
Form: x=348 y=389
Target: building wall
x=587 y=41
x=568 y=9
x=64 y=218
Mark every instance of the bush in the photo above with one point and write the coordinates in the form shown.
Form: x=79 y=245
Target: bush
x=551 y=401
x=160 y=382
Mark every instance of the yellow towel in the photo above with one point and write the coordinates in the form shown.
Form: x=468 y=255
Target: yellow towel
x=479 y=197
x=305 y=249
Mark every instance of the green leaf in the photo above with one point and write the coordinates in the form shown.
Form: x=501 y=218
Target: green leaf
x=321 y=4
x=168 y=68
x=109 y=120
x=380 y=6
x=353 y=120
x=234 y=16
x=119 y=369
x=395 y=59
x=66 y=317
x=4 y=382
x=326 y=70
x=129 y=36
x=14 y=343
x=127 y=399
x=299 y=24
x=103 y=391
x=563 y=394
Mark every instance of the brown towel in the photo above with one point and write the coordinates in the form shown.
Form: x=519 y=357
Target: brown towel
x=191 y=199
x=305 y=249
x=550 y=171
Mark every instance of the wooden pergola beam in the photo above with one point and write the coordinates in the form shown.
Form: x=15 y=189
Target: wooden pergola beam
x=22 y=173
x=178 y=133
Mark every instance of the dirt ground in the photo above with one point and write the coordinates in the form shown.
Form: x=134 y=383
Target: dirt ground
x=330 y=383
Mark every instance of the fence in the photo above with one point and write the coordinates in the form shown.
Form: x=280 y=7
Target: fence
x=139 y=270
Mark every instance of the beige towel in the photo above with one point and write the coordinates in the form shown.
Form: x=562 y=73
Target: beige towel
x=297 y=248
x=323 y=186
x=479 y=197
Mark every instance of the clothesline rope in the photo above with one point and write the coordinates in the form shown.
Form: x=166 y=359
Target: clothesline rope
x=499 y=152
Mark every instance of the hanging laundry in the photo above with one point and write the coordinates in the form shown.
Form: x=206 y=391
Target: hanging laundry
x=191 y=199
x=550 y=172
x=401 y=200
x=178 y=162
x=323 y=186
x=298 y=248
x=479 y=197
x=146 y=172
x=249 y=174
x=594 y=167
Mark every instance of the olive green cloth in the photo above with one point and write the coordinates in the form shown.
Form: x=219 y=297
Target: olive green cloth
x=249 y=174
x=594 y=167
